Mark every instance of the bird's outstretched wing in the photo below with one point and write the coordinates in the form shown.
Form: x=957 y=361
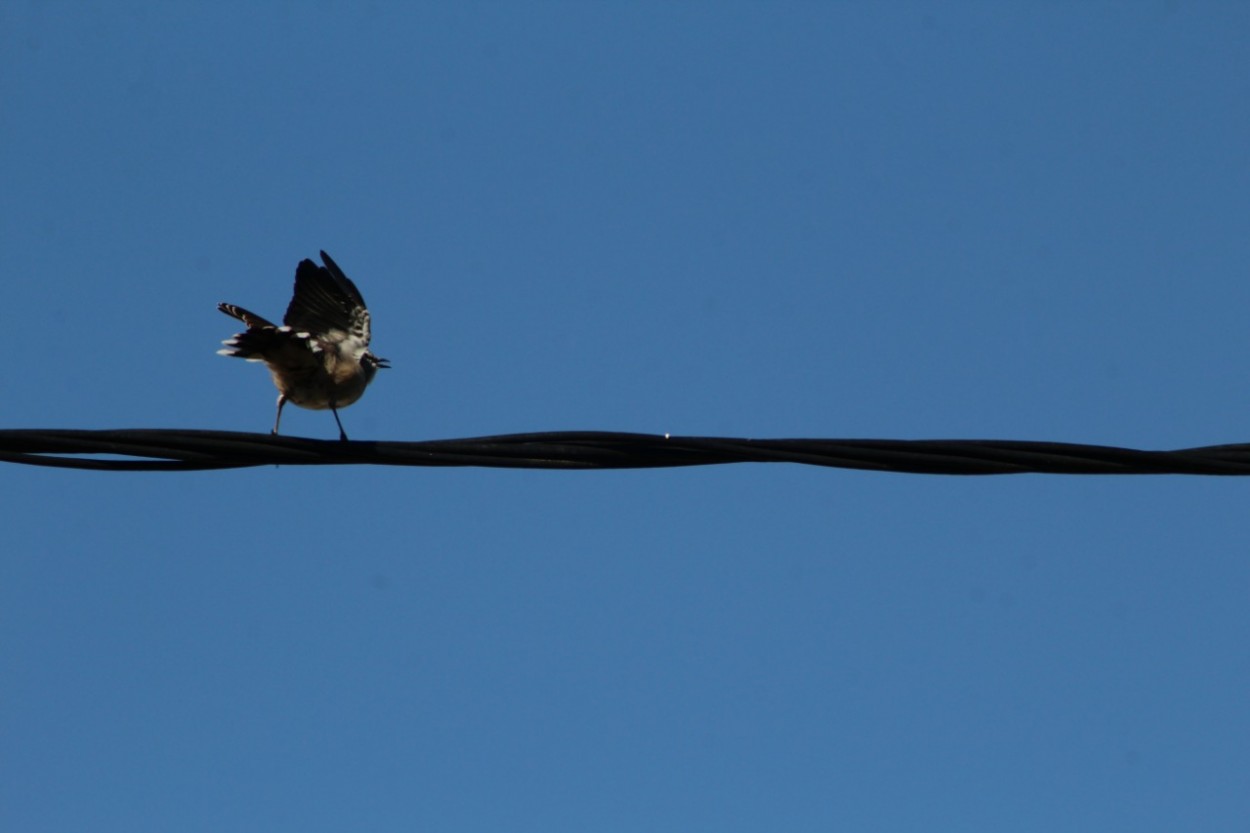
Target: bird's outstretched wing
x=326 y=300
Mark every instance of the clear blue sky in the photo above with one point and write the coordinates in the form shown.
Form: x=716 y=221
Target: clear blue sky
x=1008 y=220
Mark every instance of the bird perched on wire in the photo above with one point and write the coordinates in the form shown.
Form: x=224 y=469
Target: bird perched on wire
x=319 y=358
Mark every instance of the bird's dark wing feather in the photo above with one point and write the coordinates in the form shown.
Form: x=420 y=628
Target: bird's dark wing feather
x=325 y=299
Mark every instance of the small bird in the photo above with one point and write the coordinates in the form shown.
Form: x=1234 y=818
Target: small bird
x=320 y=357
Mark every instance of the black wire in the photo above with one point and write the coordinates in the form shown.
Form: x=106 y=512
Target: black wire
x=191 y=450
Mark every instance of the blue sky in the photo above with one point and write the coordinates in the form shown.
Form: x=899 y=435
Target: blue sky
x=1006 y=220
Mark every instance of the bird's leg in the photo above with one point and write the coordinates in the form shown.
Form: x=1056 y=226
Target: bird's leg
x=342 y=433
x=278 y=418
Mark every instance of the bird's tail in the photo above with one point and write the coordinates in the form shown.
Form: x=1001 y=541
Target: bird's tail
x=249 y=318
x=261 y=336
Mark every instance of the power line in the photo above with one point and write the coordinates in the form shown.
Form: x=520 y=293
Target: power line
x=191 y=450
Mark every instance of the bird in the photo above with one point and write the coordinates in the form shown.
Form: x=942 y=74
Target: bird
x=319 y=358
